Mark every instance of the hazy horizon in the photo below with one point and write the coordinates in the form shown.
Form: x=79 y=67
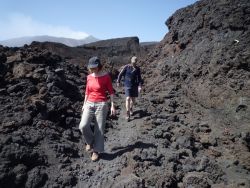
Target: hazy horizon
x=79 y=19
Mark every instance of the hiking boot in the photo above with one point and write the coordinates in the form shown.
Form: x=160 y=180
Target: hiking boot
x=94 y=157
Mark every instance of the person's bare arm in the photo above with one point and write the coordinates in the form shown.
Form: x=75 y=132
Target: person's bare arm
x=85 y=99
x=112 y=105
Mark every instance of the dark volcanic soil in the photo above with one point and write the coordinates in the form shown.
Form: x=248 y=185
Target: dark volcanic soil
x=191 y=124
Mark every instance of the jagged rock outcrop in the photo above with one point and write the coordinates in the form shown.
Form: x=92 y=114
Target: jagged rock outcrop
x=204 y=62
x=207 y=52
x=114 y=53
x=40 y=98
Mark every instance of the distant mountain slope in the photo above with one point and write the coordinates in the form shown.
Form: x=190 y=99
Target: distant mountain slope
x=18 y=42
x=116 y=50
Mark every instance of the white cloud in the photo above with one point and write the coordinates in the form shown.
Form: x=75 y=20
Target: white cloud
x=19 y=25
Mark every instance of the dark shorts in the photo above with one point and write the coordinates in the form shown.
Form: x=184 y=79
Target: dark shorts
x=131 y=92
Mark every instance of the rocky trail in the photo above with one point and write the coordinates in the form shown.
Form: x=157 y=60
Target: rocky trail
x=160 y=150
x=124 y=141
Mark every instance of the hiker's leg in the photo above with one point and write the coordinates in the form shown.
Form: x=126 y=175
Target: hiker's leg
x=101 y=115
x=128 y=101
x=132 y=102
x=134 y=94
x=84 y=125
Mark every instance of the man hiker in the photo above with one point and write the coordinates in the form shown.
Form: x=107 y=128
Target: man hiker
x=132 y=84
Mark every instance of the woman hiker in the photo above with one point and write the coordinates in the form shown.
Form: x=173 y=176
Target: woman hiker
x=95 y=107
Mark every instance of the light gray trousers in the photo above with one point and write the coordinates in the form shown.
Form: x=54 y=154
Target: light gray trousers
x=94 y=112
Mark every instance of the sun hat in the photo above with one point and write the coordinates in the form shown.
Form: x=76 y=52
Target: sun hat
x=133 y=59
x=94 y=62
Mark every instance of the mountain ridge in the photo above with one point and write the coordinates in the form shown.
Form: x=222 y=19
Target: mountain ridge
x=21 y=41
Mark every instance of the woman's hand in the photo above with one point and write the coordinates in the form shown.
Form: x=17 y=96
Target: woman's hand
x=83 y=107
x=112 y=110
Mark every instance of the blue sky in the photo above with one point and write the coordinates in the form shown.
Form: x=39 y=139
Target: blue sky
x=103 y=19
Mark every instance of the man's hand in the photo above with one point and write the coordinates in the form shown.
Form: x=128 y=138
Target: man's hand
x=139 y=89
x=118 y=84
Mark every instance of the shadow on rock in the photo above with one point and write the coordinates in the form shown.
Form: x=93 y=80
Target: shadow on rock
x=140 y=114
x=122 y=150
